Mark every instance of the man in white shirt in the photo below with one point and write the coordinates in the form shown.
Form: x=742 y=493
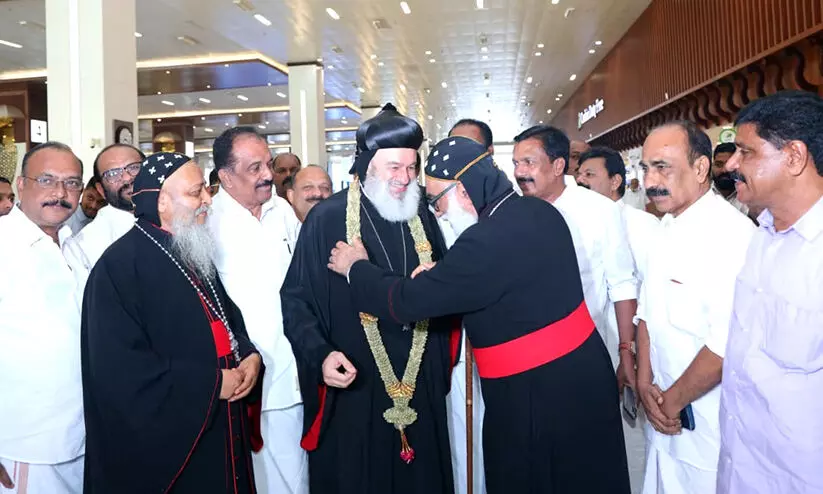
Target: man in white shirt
x=685 y=309
x=636 y=196
x=255 y=233
x=603 y=171
x=604 y=258
x=42 y=436
x=90 y=203
x=310 y=185
x=115 y=167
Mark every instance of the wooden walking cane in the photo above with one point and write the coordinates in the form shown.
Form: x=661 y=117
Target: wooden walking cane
x=469 y=419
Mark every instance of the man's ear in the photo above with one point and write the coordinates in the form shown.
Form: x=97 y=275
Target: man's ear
x=99 y=188
x=225 y=178
x=163 y=202
x=616 y=180
x=798 y=157
x=559 y=167
x=703 y=167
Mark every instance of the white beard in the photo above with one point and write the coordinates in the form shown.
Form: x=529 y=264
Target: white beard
x=391 y=209
x=192 y=243
x=459 y=219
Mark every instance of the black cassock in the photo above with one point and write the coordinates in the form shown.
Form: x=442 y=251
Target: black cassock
x=552 y=422
x=152 y=379
x=352 y=449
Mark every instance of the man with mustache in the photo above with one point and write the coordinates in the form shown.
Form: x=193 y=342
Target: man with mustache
x=604 y=257
x=168 y=368
x=90 y=203
x=723 y=179
x=685 y=309
x=285 y=165
x=310 y=185
x=255 y=232
x=114 y=168
x=374 y=389
x=42 y=433
x=552 y=423
x=771 y=400
x=6 y=196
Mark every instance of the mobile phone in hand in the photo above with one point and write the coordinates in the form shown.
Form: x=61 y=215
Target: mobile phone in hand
x=629 y=404
x=687 y=418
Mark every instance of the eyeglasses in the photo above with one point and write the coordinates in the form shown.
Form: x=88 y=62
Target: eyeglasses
x=116 y=174
x=49 y=182
x=433 y=200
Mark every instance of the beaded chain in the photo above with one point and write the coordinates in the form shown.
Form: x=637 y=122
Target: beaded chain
x=219 y=312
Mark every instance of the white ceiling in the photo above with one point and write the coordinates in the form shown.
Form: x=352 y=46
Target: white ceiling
x=455 y=31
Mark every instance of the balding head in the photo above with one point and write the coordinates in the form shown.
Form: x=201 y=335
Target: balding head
x=310 y=185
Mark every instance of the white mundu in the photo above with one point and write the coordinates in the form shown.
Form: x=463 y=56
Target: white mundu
x=42 y=434
x=686 y=302
x=252 y=259
x=83 y=250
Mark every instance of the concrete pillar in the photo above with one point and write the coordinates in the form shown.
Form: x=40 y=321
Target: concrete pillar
x=91 y=56
x=307 y=119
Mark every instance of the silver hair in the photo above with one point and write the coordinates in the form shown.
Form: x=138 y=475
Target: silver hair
x=192 y=243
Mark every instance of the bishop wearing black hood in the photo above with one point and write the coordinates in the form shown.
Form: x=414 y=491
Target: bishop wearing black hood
x=552 y=422
x=374 y=391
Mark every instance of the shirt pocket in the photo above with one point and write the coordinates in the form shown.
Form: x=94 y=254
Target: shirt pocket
x=684 y=308
x=793 y=336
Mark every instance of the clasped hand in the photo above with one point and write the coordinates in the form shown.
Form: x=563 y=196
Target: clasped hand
x=343 y=256
x=662 y=413
x=238 y=382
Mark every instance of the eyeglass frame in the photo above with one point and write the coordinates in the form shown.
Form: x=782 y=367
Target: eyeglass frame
x=108 y=177
x=433 y=201
x=57 y=182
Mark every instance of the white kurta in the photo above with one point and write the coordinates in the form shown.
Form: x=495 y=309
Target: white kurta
x=84 y=249
x=603 y=256
x=641 y=228
x=41 y=417
x=686 y=302
x=252 y=259
x=456 y=409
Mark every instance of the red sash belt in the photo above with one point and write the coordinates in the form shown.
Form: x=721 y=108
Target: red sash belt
x=537 y=348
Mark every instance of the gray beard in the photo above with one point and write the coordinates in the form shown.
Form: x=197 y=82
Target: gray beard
x=458 y=218
x=193 y=245
x=391 y=209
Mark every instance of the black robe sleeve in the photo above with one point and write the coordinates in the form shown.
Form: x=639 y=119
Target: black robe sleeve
x=463 y=281
x=169 y=402
x=304 y=297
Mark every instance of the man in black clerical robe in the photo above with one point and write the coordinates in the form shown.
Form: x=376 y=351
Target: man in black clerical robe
x=552 y=422
x=352 y=449
x=162 y=348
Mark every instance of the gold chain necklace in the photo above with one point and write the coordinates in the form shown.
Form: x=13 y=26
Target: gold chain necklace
x=401 y=415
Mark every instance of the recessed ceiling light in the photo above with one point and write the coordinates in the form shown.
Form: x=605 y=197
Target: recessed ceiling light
x=208 y=86
x=538 y=54
x=529 y=80
x=573 y=77
x=430 y=117
x=227 y=124
x=444 y=85
x=557 y=99
x=540 y=45
x=267 y=122
x=262 y=19
x=204 y=100
x=333 y=13
x=159 y=92
x=479 y=4
x=484 y=49
x=242 y=98
x=137 y=35
x=559 y=95
x=380 y=64
x=598 y=43
x=432 y=60
x=549 y=111
x=361 y=89
x=402 y=87
x=226 y=65
x=282 y=95
x=202 y=118
x=168 y=72
x=268 y=84
x=373 y=56
x=428 y=91
x=167 y=103
x=404 y=6
x=159 y=119
x=261 y=126
x=208 y=129
x=239 y=114
x=438 y=126
x=428 y=52
x=591 y=51
x=540 y=122
x=10 y=44
x=485 y=57
x=555 y=2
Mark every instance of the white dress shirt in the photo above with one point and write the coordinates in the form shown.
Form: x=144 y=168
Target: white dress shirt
x=78 y=220
x=636 y=199
x=41 y=397
x=603 y=256
x=252 y=259
x=84 y=249
x=686 y=301
x=641 y=229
